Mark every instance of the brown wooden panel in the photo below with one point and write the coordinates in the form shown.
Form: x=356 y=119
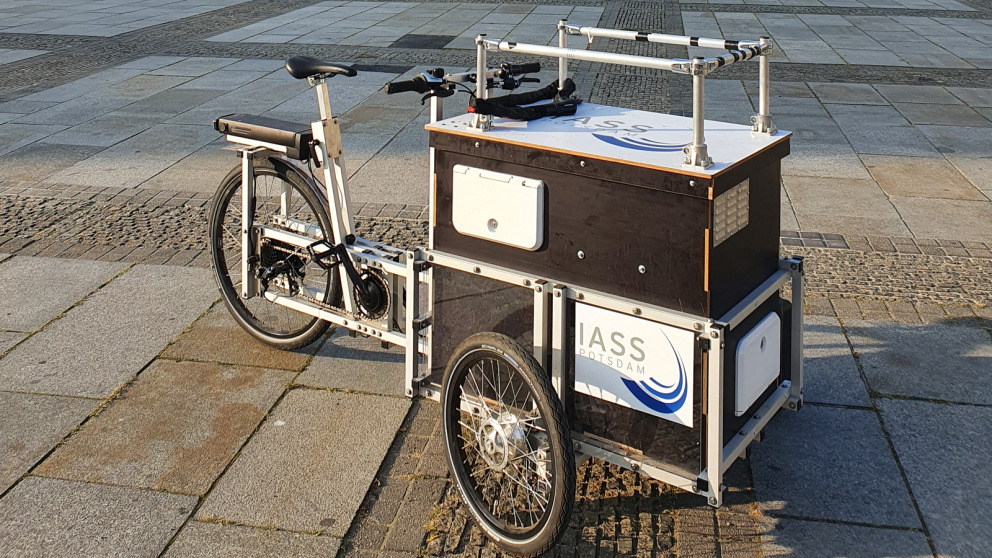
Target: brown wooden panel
x=617 y=226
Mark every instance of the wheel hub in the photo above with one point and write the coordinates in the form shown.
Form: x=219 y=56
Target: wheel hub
x=501 y=438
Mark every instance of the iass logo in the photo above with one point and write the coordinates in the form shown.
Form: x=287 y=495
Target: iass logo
x=633 y=362
x=641 y=137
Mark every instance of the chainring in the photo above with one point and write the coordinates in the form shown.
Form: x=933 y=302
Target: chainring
x=373 y=304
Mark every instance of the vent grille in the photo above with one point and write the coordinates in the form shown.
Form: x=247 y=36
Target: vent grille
x=731 y=211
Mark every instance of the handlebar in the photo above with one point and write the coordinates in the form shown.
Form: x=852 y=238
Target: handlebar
x=517 y=69
x=437 y=82
x=418 y=84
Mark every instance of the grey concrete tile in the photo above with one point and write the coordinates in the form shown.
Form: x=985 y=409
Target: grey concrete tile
x=151 y=62
x=920 y=177
x=39 y=289
x=13 y=55
x=836 y=196
x=216 y=337
x=167 y=104
x=201 y=171
x=901 y=359
x=944 y=115
x=174 y=429
x=353 y=434
x=830 y=373
x=978 y=171
x=936 y=443
x=10 y=338
x=32 y=426
x=234 y=541
x=830 y=161
x=49 y=517
x=973 y=96
x=896 y=140
x=38 y=161
x=960 y=140
x=815 y=539
x=917 y=94
x=194 y=67
x=870 y=57
x=101 y=132
x=99 y=81
x=833 y=464
x=20 y=106
x=103 y=342
x=402 y=156
x=13 y=135
x=356 y=364
x=935 y=218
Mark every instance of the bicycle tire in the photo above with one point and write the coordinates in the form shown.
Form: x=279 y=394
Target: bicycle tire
x=503 y=439
x=285 y=328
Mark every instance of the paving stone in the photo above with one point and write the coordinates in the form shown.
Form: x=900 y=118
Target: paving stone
x=920 y=177
x=943 y=115
x=356 y=364
x=51 y=285
x=10 y=338
x=937 y=442
x=99 y=345
x=830 y=373
x=32 y=426
x=38 y=161
x=50 y=517
x=973 y=96
x=174 y=429
x=815 y=539
x=310 y=465
x=847 y=93
x=961 y=140
x=235 y=541
x=935 y=218
x=216 y=337
x=947 y=362
x=833 y=464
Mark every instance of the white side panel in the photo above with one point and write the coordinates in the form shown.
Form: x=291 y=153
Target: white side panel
x=498 y=207
x=759 y=361
x=634 y=362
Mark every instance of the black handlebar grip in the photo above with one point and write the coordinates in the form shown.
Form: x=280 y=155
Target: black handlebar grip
x=517 y=69
x=418 y=84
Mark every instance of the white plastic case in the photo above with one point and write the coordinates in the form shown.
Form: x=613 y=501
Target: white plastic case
x=498 y=207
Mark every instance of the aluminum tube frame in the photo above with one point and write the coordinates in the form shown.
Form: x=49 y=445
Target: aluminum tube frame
x=587 y=55
x=738 y=313
x=752 y=429
x=696 y=156
x=599 y=32
x=364 y=328
x=249 y=283
x=562 y=61
x=481 y=121
x=559 y=342
x=795 y=265
x=542 y=325
x=761 y=123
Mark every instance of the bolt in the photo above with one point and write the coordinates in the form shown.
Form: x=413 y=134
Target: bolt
x=695 y=488
x=477 y=144
x=581 y=255
x=582 y=163
x=692 y=183
x=477 y=270
x=580 y=296
x=430 y=258
x=526 y=282
x=637 y=311
x=715 y=334
x=409 y=392
x=697 y=327
x=712 y=501
x=538 y=289
x=429 y=394
x=558 y=294
x=635 y=467
x=576 y=445
x=642 y=269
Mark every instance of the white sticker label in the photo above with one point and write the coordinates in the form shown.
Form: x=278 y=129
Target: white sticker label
x=634 y=362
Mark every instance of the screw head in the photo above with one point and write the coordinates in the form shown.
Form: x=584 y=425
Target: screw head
x=581 y=255
x=477 y=270
x=642 y=269
x=538 y=288
x=692 y=183
x=637 y=311
x=697 y=327
x=715 y=334
x=477 y=144
x=712 y=501
x=558 y=294
x=582 y=163
x=526 y=282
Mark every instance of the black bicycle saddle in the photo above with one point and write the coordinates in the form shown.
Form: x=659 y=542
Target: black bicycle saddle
x=301 y=67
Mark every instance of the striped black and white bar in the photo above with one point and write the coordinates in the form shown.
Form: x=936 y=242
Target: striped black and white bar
x=599 y=32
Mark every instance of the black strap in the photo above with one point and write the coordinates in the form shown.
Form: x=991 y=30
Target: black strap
x=510 y=106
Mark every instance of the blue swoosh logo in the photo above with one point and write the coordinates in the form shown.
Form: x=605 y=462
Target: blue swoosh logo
x=641 y=144
x=666 y=400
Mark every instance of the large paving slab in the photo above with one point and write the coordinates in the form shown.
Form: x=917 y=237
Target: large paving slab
x=217 y=338
x=947 y=219
x=920 y=177
x=309 y=466
x=830 y=463
x=175 y=428
x=945 y=451
x=356 y=364
x=235 y=541
x=815 y=539
x=32 y=425
x=10 y=338
x=830 y=373
x=944 y=361
x=43 y=288
x=50 y=517
x=100 y=344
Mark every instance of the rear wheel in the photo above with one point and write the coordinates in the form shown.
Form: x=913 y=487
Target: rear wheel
x=507 y=443
x=269 y=322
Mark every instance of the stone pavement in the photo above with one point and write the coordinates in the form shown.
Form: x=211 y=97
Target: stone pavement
x=138 y=420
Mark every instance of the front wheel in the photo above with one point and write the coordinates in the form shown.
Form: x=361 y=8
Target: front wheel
x=507 y=443
x=276 y=186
